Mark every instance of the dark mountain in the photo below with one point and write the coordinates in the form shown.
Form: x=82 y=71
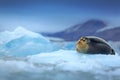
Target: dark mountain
x=74 y=33
x=88 y=28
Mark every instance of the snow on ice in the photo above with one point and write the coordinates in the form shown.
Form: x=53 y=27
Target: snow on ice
x=22 y=42
x=25 y=55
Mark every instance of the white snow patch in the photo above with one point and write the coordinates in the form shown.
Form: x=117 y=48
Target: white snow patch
x=107 y=28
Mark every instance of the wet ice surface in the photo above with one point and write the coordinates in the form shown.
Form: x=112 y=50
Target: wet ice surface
x=27 y=55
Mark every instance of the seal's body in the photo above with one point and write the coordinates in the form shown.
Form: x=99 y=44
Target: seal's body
x=93 y=45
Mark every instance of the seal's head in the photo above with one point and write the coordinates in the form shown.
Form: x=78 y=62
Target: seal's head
x=82 y=44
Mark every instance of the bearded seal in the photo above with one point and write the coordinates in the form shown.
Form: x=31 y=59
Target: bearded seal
x=93 y=45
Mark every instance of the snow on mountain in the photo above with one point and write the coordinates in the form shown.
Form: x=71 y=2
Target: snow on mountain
x=73 y=29
x=107 y=28
x=110 y=34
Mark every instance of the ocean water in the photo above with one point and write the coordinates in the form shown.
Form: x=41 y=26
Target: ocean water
x=25 y=55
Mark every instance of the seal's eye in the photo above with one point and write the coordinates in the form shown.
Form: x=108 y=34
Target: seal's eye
x=83 y=40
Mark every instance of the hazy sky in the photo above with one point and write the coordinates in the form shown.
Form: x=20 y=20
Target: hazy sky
x=56 y=15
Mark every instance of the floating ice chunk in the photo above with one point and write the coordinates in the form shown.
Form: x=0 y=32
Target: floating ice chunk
x=22 y=42
x=7 y=36
x=73 y=61
x=20 y=31
x=116 y=46
x=69 y=45
x=66 y=63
